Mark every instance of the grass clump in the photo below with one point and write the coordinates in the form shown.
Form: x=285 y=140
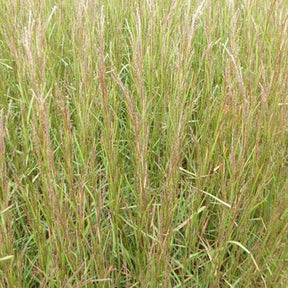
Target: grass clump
x=143 y=143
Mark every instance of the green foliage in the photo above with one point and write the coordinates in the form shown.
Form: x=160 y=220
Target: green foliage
x=143 y=143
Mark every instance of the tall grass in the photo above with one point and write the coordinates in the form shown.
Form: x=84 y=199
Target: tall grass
x=143 y=143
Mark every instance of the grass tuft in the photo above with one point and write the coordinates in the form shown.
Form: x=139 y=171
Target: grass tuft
x=143 y=143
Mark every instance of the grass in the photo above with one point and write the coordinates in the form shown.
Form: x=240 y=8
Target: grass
x=143 y=143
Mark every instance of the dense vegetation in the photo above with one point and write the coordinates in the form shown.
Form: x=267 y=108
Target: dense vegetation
x=143 y=143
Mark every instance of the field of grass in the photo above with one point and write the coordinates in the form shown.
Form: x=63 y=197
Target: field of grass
x=143 y=143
